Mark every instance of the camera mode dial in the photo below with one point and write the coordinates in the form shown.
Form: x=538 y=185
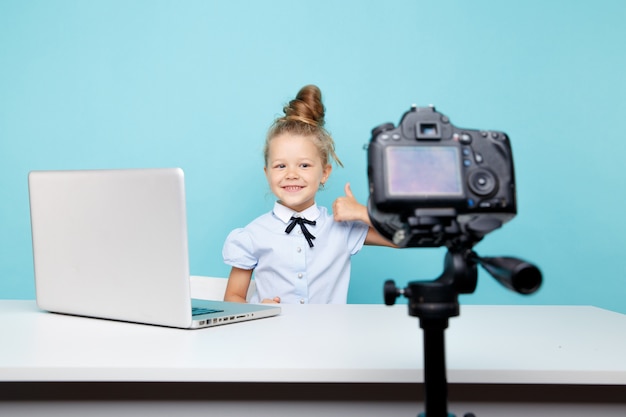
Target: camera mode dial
x=382 y=128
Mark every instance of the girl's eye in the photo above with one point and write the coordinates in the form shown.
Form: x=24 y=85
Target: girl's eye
x=305 y=165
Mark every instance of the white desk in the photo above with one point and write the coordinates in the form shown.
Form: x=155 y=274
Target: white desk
x=366 y=358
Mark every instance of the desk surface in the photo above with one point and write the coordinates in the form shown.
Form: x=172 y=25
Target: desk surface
x=320 y=343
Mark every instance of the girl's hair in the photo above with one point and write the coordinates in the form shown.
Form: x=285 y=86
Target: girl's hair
x=304 y=116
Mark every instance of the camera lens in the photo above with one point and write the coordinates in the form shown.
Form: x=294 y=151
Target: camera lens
x=482 y=182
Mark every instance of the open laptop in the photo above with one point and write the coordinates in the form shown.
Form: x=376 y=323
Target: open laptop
x=112 y=244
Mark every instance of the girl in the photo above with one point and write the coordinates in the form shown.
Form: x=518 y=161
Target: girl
x=299 y=252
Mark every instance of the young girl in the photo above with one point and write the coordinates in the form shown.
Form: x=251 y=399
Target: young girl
x=299 y=252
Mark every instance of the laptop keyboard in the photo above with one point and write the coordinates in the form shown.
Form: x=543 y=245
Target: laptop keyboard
x=198 y=311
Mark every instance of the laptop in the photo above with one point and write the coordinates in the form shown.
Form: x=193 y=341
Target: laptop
x=112 y=244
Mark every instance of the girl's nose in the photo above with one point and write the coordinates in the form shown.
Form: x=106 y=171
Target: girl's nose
x=292 y=174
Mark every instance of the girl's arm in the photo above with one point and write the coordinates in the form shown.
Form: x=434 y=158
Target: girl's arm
x=376 y=239
x=348 y=209
x=238 y=284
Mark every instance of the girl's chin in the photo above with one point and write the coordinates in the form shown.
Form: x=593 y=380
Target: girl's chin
x=296 y=205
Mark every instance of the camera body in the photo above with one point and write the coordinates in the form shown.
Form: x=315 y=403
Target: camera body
x=433 y=184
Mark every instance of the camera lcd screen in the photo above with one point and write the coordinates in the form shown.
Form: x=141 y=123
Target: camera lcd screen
x=422 y=171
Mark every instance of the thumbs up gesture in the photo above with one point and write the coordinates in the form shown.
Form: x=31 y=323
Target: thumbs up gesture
x=346 y=208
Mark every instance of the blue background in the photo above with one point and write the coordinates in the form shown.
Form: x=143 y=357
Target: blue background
x=196 y=84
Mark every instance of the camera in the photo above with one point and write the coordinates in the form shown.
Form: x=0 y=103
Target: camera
x=433 y=184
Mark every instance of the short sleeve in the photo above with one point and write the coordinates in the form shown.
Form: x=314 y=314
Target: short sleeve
x=356 y=236
x=238 y=250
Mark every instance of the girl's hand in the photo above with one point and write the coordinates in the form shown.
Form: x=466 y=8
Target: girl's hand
x=348 y=209
x=275 y=300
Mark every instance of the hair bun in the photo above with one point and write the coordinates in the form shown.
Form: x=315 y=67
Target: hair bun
x=304 y=116
x=307 y=107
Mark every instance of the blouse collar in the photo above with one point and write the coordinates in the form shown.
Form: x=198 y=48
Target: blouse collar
x=285 y=213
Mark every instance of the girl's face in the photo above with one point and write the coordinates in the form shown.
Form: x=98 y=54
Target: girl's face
x=294 y=170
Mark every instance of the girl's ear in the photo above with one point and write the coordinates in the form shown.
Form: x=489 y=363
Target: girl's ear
x=326 y=172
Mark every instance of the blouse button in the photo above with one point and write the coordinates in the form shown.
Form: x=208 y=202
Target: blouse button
x=300 y=275
x=299 y=249
x=301 y=301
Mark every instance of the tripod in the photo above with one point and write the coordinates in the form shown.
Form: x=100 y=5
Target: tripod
x=434 y=302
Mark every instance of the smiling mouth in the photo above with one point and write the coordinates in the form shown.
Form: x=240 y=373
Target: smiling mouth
x=292 y=188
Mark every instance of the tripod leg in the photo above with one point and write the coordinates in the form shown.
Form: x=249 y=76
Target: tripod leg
x=435 y=381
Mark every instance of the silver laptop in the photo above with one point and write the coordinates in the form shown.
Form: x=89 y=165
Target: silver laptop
x=112 y=244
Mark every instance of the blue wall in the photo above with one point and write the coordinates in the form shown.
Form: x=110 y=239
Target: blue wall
x=195 y=84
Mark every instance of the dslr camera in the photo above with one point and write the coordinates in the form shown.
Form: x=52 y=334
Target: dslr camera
x=433 y=184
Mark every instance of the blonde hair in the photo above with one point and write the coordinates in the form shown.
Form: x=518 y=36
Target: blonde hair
x=304 y=116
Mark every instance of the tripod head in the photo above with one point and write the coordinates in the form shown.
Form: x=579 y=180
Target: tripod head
x=460 y=276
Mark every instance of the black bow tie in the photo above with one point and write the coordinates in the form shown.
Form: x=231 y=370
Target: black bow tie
x=301 y=221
